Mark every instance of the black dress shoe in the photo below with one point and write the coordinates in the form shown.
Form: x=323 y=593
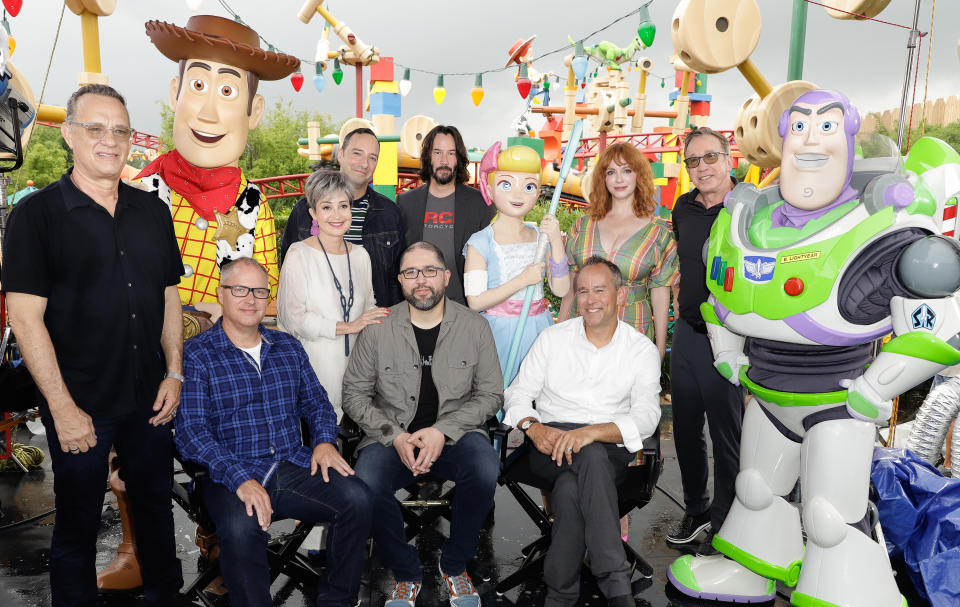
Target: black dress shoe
x=688 y=528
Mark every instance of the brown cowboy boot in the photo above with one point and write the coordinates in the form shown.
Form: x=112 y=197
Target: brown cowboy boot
x=123 y=574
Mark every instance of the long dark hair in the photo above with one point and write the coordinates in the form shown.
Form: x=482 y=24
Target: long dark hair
x=426 y=168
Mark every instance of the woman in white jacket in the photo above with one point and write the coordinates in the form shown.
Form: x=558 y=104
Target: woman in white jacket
x=326 y=293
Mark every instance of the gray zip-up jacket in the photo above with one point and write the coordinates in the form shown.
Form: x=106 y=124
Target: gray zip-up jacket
x=381 y=386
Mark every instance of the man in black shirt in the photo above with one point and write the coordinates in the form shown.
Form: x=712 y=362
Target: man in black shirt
x=697 y=388
x=91 y=272
x=377 y=224
x=445 y=211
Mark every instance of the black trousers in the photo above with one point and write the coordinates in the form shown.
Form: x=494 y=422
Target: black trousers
x=698 y=390
x=587 y=519
x=78 y=484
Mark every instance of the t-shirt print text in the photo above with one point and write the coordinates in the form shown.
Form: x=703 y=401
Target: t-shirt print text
x=426 y=361
x=434 y=220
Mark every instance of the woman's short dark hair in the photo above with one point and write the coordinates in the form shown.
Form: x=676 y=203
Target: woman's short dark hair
x=426 y=156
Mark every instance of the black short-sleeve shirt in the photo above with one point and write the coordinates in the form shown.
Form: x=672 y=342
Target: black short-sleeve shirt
x=691 y=226
x=104 y=279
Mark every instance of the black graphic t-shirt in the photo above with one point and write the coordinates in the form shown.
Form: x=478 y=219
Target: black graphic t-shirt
x=438 y=221
x=427 y=406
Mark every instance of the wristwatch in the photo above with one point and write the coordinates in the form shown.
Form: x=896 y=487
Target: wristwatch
x=525 y=424
x=176 y=376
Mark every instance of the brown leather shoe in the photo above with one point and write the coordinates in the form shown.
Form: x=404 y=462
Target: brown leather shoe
x=123 y=574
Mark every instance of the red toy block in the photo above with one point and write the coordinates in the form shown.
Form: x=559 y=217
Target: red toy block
x=678 y=80
x=382 y=71
x=699 y=108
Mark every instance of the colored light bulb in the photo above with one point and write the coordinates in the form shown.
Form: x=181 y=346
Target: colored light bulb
x=523 y=82
x=580 y=62
x=319 y=81
x=439 y=92
x=337 y=72
x=405 y=84
x=477 y=92
x=296 y=79
x=647 y=29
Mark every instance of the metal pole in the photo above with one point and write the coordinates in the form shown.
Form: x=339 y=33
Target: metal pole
x=359 y=89
x=798 y=35
x=4 y=208
x=911 y=47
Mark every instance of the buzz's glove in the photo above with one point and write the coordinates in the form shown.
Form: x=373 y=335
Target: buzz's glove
x=864 y=402
x=729 y=363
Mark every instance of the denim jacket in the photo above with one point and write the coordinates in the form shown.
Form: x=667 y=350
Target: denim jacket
x=382 y=239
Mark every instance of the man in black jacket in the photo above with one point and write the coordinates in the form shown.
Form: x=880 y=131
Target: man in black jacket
x=377 y=224
x=444 y=211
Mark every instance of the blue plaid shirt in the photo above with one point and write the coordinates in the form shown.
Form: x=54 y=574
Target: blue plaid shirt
x=241 y=422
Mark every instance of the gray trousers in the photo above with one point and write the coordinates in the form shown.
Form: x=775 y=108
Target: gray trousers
x=587 y=520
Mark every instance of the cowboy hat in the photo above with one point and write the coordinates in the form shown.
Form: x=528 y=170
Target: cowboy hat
x=520 y=48
x=221 y=40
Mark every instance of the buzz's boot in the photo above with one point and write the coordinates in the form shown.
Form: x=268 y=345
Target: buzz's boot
x=123 y=574
x=760 y=540
x=843 y=566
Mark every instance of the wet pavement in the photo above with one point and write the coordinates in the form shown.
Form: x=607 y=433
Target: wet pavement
x=24 y=550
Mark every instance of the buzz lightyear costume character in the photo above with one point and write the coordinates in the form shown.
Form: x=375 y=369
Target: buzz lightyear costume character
x=804 y=278
x=218 y=215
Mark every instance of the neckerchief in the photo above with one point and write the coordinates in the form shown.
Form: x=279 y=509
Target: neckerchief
x=207 y=190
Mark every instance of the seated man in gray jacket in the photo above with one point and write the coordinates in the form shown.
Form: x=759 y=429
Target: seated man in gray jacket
x=421 y=386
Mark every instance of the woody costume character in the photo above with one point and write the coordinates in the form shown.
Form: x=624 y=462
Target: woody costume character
x=218 y=215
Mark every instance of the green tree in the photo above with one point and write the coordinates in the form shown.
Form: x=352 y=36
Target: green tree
x=47 y=157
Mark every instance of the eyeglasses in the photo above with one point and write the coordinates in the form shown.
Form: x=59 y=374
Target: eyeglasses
x=710 y=158
x=98 y=131
x=241 y=291
x=428 y=272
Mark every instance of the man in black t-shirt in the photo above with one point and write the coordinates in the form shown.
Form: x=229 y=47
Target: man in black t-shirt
x=421 y=386
x=91 y=268
x=697 y=388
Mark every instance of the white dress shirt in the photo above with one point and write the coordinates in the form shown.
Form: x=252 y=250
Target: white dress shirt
x=573 y=381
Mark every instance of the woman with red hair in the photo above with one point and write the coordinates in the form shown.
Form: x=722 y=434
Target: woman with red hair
x=620 y=226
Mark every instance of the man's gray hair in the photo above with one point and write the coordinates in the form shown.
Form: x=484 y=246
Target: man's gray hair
x=705 y=130
x=94 y=89
x=227 y=269
x=596 y=260
x=323 y=184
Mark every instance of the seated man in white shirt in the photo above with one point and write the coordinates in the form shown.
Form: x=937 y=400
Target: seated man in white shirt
x=596 y=383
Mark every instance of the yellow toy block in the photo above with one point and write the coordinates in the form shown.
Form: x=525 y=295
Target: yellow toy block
x=386 y=172
x=385 y=87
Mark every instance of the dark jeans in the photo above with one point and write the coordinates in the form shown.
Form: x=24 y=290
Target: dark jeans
x=697 y=390
x=471 y=463
x=344 y=502
x=79 y=483
x=586 y=519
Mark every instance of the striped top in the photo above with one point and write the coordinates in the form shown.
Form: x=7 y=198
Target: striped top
x=359 y=208
x=647 y=260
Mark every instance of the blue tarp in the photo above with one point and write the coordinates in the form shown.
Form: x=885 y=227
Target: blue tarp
x=920 y=517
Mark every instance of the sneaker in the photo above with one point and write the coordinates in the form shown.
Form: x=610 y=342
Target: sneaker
x=706 y=548
x=404 y=594
x=688 y=528
x=462 y=591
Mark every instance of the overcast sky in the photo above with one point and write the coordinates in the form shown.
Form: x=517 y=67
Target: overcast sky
x=865 y=60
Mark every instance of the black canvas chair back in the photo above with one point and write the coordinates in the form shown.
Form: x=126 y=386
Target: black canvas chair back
x=634 y=492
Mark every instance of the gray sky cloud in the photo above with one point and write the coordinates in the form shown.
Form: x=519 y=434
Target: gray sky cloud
x=865 y=60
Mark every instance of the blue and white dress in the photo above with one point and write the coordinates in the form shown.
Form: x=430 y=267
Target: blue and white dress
x=504 y=262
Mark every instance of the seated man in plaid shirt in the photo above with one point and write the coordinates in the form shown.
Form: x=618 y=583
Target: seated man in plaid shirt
x=245 y=392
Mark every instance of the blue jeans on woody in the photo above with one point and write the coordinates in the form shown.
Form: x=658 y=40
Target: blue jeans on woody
x=344 y=502
x=471 y=463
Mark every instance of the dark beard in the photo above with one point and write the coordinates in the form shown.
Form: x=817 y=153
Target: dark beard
x=424 y=304
x=446 y=179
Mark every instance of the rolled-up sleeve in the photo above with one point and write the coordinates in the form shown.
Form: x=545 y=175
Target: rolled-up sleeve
x=643 y=417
